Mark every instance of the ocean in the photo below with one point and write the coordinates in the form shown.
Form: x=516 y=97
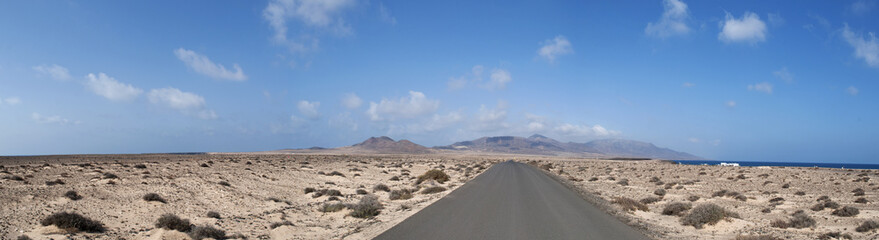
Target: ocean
x=783 y=164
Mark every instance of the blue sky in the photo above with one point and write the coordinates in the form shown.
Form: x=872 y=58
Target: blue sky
x=731 y=80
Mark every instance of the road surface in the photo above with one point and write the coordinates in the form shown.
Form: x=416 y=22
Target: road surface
x=511 y=200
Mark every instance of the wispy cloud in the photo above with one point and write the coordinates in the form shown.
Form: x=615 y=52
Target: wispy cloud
x=52 y=119
x=54 y=71
x=862 y=7
x=11 y=101
x=866 y=47
x=109 y=88
x=185 y=102
x=203 y=65
x=730 y=104
x=761 y=87
x=688 y=85
x=784 y=75
x=852 y=90
x=673 y=20
x=553 y=48
x=385 y=14
x=749 y=29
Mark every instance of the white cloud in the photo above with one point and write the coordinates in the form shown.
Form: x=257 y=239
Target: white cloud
x=184 y=102
x=688 y=85
x=203 y=65
x=866 y=47
x=351 y=101
x=54 y=71
x=109 y=88
x=761 y=87
x=435 y=123
x=499 y=79
x=553 y=48
x=572 y=130
x=784 y=75
x=731 y=104
x=851 y=90
x=11 y=101
x=309 y=109
x=385 y=14
x=52 y=119
x=414 y=105
x=672 y=22
x=694 y=140
x=749 y=29
x=315 y=15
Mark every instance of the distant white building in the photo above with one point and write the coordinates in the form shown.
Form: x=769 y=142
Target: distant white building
x=729 y=164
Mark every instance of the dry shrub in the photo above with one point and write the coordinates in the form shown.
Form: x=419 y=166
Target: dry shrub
x=693 y=198
x=629 y=204
x=205 y=231
x=867 y=226
x=676 y=208
x=757 y=237
x=172 y=222
x=381 y=187
x=432 y=190
x=846 y=211
x=368 y=207
x=69 y=220
x=332 y=207
x=153 y=197
x=834 y=235
x=433 y=174
x=401 y=194
x=649 y=200
x=72 y=195
x=706 y=214
x=659 y=192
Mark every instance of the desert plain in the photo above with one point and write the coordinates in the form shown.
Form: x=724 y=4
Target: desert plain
x=316 y=196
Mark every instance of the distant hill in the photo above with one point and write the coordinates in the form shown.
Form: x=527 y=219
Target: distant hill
x=387 y=145
x=542 y=145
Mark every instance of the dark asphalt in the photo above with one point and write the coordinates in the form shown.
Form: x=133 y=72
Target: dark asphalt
x=511 y=201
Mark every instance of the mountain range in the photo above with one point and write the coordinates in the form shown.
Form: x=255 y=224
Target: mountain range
x=533 y=145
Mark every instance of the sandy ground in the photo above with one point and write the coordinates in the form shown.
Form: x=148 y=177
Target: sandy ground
x=759 y=185
x=262 y=189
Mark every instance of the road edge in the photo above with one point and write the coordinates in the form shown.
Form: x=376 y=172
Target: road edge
x=599 y=202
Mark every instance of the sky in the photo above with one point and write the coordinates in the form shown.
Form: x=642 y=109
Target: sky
x=727 y=80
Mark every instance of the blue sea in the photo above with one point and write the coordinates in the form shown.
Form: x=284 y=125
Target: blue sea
x=784 y=164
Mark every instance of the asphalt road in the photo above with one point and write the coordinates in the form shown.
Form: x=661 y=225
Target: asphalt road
x=511 y=201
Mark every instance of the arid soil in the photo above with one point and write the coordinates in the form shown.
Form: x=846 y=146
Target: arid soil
x=250 y=192
x=758 y=195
